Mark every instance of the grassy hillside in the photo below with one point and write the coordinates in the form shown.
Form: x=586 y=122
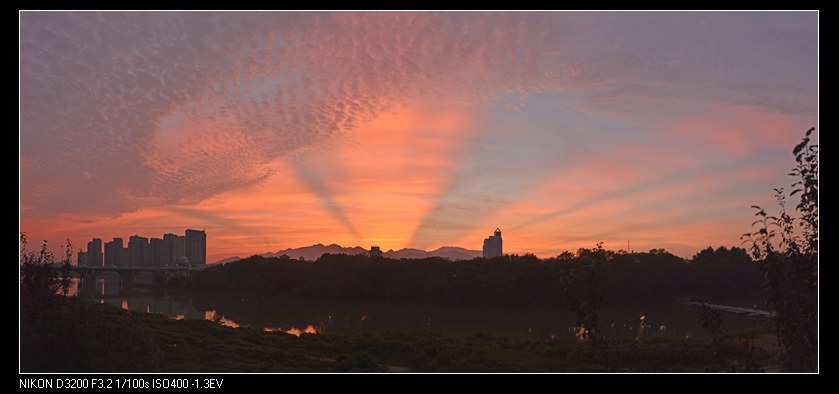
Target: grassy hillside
x=82 y=336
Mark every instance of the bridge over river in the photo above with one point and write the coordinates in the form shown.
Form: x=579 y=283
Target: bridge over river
x=128 y=275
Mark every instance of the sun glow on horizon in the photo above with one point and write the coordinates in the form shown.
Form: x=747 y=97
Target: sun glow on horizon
x=410 y=130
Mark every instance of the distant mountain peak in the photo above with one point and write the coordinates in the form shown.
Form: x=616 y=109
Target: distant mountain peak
x=314 y=252
x=227 y=260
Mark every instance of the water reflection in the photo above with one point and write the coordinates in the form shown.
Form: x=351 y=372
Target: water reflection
x=310 y=329
x=219 y=318
x=297 y=317
x=106 y=289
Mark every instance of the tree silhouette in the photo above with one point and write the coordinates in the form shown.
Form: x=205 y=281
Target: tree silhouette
x=790 y=268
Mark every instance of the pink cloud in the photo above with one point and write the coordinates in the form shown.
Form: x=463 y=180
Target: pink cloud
x=741 y=130
x=281 y=129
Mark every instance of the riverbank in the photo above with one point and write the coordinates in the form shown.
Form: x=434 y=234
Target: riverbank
x=80 y=336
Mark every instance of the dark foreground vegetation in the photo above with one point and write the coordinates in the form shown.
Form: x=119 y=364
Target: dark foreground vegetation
x=786 y=248
x=83 y=336
x=509 y=280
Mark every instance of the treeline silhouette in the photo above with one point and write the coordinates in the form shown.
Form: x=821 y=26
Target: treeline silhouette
x=786 y=248
x=508 y=280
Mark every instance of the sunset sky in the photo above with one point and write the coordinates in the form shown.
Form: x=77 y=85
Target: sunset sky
x=286 y=129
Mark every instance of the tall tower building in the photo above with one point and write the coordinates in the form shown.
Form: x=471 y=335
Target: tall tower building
x=196 y=246
x=113 y=253
x=122 y=260
x=94 y=253
x=492 y=245
x=156 y=252
x=138 y=251
x=170 y=249
x=180 y=248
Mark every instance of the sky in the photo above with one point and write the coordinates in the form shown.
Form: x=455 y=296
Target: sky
x=284 y=129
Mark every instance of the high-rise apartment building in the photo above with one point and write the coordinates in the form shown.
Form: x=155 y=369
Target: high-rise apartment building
x=138 y=251
x=492 y=245
x=196 y=246
x=94 y=253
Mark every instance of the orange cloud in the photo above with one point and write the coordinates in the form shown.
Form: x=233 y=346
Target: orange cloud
x=391 y=168
x=740 y=129
x=274 y=130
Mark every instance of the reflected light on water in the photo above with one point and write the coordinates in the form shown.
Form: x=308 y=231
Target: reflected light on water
x=666 y=318
x=310 y=329
x=212 y=315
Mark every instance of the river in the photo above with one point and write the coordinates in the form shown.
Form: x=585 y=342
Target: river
x=297 y=316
